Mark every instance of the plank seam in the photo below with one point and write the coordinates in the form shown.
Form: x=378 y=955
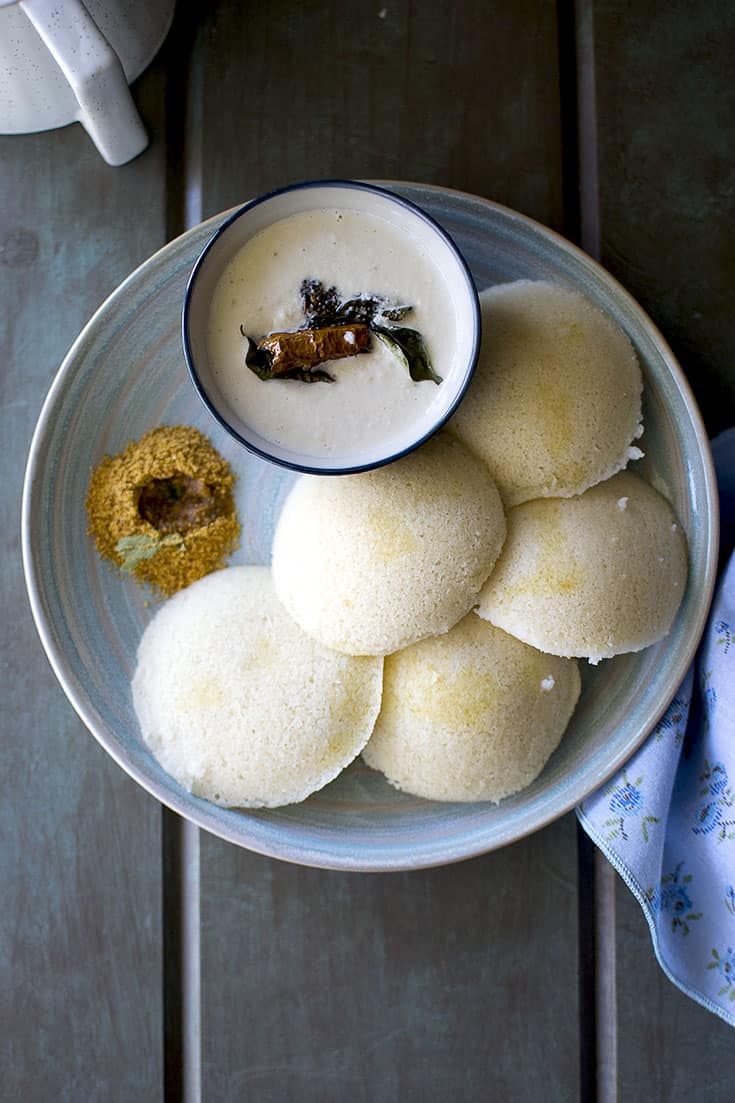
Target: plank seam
x=181 y=905
x=596 y=879
x=605 y=984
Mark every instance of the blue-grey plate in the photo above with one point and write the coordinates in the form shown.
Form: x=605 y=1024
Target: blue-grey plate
x=126 y=374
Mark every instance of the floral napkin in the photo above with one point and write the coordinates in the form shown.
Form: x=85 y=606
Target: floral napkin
x=667 y=821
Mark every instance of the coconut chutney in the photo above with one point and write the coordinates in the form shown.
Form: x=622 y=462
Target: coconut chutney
x=373 y=396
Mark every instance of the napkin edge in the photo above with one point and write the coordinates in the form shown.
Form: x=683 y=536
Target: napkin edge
x=624 y=873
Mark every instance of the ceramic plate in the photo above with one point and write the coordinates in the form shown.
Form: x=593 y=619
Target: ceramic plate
x=126 y=374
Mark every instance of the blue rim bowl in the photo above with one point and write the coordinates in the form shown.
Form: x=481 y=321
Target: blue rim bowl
x=234 y=233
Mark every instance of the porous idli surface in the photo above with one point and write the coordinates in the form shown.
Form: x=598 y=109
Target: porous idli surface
x=238 y=704
x=471 y=715
x=555 y=401
x=591 y=576
x=370 y=563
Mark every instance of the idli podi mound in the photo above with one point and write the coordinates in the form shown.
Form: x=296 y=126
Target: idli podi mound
x=239 y=705
x=470 y=715
x=163 y=508
x=592 y=576
x=370 y=563
x=555 y=401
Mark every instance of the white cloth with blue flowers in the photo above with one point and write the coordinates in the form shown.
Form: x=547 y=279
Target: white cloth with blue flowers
x=667 y=821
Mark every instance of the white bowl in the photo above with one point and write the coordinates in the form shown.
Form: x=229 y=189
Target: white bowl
x=455 y=290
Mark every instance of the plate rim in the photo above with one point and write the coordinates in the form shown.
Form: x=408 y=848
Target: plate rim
x=311 y=855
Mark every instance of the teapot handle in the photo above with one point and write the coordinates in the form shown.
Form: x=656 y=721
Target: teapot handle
x=94 y=72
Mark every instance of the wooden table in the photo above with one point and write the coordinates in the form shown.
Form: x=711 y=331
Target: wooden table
x=143 y=960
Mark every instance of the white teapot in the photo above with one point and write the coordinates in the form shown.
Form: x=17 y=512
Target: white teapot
x=63 y=61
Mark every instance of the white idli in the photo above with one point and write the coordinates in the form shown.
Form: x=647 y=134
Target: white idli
x=471 y=715
x=238 y=704
x=555 y=401
x=369 y=563
x=591 y=576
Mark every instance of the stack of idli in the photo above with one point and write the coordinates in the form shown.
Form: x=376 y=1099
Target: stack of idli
x=392 y=562
x=256 y=688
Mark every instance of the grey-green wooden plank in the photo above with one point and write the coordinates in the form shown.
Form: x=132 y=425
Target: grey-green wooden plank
x=669 y=1048
x=666 y=135
x=452 y=982
x=666 y=127
x=464 y=95
x=80 y=933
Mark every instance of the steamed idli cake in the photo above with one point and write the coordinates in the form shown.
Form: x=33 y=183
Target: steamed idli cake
x=238 y=704
x=471 y=715
x=555 y=400
x=591 y=576
x=372 y=562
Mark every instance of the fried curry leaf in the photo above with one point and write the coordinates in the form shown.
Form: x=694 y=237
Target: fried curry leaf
x=135 y=549
x=408 y=346
x=258 y=360
x=306 y=375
